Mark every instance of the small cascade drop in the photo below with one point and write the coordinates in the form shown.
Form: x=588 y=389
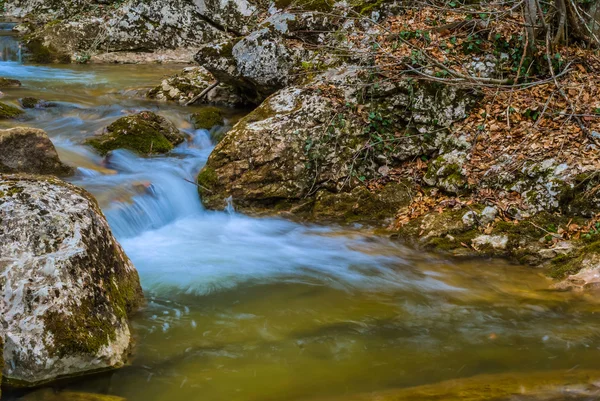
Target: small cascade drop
x=10 y=47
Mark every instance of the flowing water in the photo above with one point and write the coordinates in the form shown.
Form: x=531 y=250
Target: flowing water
x=242 y=308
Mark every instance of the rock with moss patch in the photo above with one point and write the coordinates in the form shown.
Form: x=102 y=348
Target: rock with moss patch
x=29 y=150
x=191 y=83
x=145 y=133
x=34 y=103
x=9 y=83
x=68 y=288
x=269 y=59
x=301 y=142
x=8 y=112
x=207 y=118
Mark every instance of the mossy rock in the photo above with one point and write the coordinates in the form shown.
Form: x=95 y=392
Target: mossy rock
x=207 y=118
x=78 y=295
x=7 y=111
x=9 y=83
x=29 y=102
x=362 y=205
x=144 y=133
x=41 y=54
x=306 y=5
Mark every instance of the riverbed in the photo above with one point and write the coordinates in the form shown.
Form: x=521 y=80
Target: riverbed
x=243 y=308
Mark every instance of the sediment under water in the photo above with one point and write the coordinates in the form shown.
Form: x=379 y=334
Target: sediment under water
x=244 y=308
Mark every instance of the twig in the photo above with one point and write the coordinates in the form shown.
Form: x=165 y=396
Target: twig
x=203 y=93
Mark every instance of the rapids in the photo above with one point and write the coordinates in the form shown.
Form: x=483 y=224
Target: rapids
x=244 y=308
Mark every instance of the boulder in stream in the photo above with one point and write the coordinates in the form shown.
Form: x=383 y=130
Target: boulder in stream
x=34 y=103
x=144 y=133
x=8 y=112
x=9 y=83
x=29 y=150
x=68 y=289
x=306 y=150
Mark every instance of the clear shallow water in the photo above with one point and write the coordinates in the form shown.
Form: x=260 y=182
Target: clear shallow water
x=265 y=309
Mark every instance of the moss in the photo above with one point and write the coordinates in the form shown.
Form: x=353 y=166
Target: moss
x=85 y=331
x=29 y=102
x=207 y=118
x=450 y=242
x=9 y=83
x=563 y=266
x=207 y=179
x=42 y=54
x=307 y=5
x=364 y=7
x=144 y=133
x=8 y=111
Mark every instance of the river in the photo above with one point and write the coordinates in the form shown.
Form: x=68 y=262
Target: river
x=243 y=308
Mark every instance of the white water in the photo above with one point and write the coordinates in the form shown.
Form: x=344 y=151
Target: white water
x=176 y=244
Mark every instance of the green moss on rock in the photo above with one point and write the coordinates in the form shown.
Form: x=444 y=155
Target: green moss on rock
x=207 y=179
x=144 y=133
x=7 y=111
x=41 y=54
x=207 y=118
x=29 y=102
x=307 y=5
x=9 y=83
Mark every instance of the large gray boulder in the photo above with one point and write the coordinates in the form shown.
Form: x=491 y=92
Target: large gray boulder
x=67 y=287
x=77 y=29
x=29 y=150
x=279 y=52
x=308 y=143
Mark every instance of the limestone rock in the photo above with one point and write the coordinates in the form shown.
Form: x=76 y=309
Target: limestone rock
x=144 y=133
x=29 y=150
x=300 y=141
x=192 y=82
x=76 y=29
x=67 y=286
x=269 y=58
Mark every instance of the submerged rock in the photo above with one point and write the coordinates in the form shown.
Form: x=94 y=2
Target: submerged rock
x=67 y=286
x=9 y=83
x=51 y=395
x=192 y=82
x=536 y=386
x=144 y=133
x=207 y=118
x=29 y=150
x=8 y=112
x=33 y=103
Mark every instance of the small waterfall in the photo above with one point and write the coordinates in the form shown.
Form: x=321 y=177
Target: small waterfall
x=10 y=47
